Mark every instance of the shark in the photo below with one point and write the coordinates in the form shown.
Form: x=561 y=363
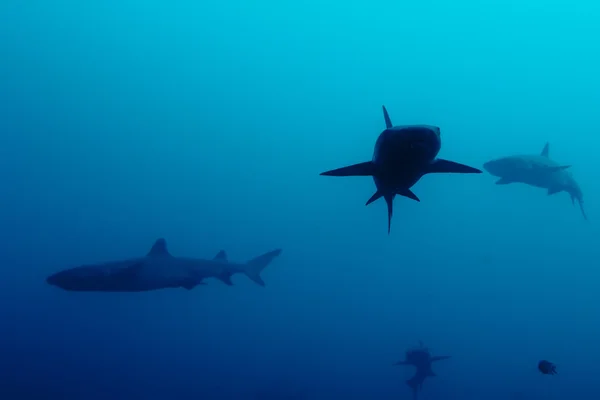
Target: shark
x=537 y=170
x=158 y=269
x=402 y=155
x=421 y=359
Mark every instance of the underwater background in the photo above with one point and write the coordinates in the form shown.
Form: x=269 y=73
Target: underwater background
x=208 y=123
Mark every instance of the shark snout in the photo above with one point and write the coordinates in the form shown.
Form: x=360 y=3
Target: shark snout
x=491 y=167
x=52 y=280
x=59 y=279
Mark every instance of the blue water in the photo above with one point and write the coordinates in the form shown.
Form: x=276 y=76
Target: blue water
x=208 y=123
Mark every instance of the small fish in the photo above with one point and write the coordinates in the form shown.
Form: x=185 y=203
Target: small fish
x=547 y=368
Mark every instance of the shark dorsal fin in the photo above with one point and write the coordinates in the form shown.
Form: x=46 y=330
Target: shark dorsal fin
x=386 y=116
x=221 y=256
x=159 y=248
x=545 y=150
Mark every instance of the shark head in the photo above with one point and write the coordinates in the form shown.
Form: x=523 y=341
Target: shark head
x=499 y=167
x=111 y=276
x=79 y=279
x=408 y=142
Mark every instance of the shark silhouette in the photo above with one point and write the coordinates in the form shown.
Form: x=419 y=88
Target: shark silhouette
x=421 y=359
x=157 y=270
x=402 y=155
x=537 y=170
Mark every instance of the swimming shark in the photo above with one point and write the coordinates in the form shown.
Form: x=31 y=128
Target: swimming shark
x=421 y=359
x=158 y=269
x=402 y=155
x=537 y=170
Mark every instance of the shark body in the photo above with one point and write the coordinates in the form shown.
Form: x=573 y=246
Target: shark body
x=537 y=170
x=421 y=359
x=157 y=270
x=402 y=155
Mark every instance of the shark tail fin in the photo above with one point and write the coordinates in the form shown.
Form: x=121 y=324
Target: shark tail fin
x=257 y=264
x=415 y=385
x=581 y=207
x=389 y=200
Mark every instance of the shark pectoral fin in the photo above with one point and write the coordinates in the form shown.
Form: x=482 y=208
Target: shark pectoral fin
x=225 y=277
x=439 y=358
x=444 y=166
x=375 y=196
x=503 y=181
x=256 y=265
x=552 y=191
x=557 y=168
x=407 y=193
x=362 y=169
x=221 y=256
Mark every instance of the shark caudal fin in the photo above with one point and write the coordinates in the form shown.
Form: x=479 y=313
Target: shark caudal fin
x=389 y=200
x=581 y=207
x=415 y=384
x=361 y=169
x=256 y=265
x=582 y=210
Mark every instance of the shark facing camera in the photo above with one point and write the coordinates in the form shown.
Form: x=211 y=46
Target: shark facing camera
x=402 y=155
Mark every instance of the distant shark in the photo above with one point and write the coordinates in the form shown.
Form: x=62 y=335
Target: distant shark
x=539 y=171
x=422 y=360
x=157 y=270
x=402 y=155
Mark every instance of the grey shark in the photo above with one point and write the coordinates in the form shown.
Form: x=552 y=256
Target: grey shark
x=157 y=270
x=421 y=359
x=539 y=171
x=402 y=155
